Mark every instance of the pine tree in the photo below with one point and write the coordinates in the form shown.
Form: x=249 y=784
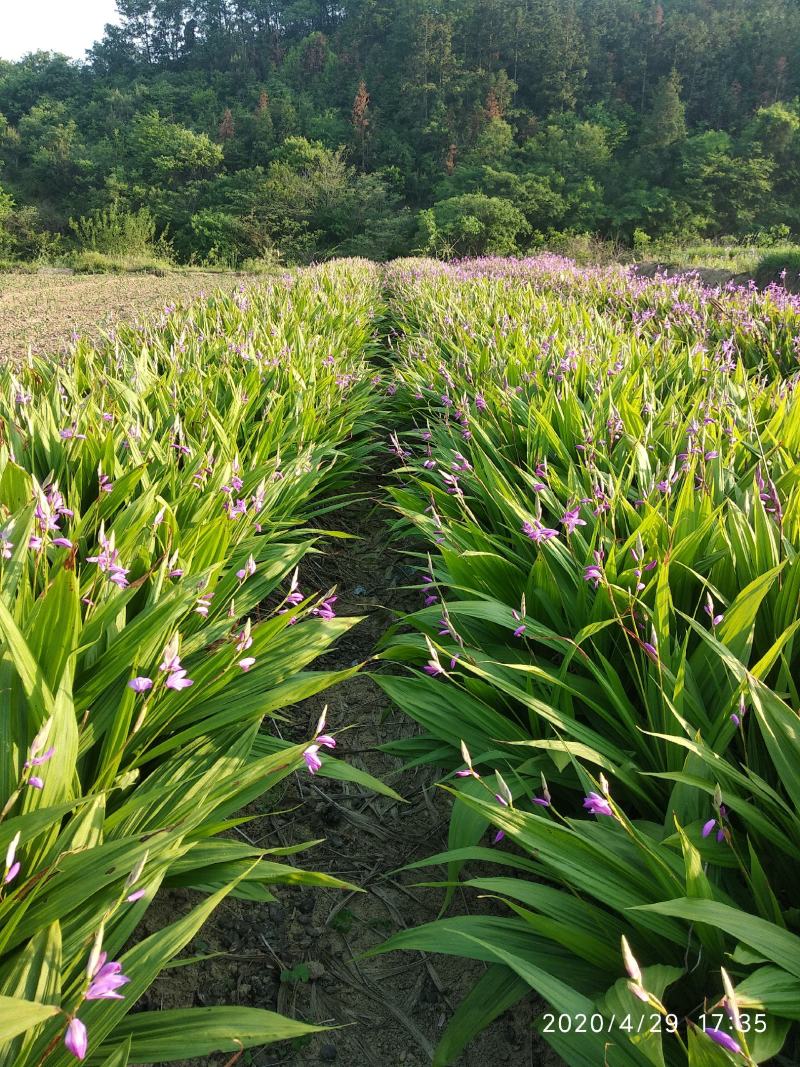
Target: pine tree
x=226 y=127
x=665 y=123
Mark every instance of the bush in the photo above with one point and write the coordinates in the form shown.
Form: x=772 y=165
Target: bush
x=471 y=225
x=117 y=232
x=780 y=266
x=102 y=263
x=587 y=248
x=221 y=239
x=22 y=235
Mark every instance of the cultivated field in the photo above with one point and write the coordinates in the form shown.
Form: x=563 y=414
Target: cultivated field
x=42 y=311
x=410 y=647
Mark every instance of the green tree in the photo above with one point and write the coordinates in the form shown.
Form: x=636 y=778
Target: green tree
x=472 y=225
x=665 y=122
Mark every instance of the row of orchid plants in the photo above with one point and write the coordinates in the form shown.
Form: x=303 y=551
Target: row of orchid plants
x=603 y=470
x=158 y=493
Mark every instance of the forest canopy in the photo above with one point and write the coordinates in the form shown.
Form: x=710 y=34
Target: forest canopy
x=229 y=130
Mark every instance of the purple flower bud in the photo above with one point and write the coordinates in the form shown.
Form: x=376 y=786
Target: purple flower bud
x=76 y=1040
x=11 y=873
x=135 y=896
x=720 y=1037
x=35 y=782
x=708 y=827
x=11 y=866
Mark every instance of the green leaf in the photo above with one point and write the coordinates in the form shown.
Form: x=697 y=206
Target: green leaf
x=181 y=1034
x=118 y=1058
x=775 y=943
x=771 y=990
x=497 y=990
x=18 y=1015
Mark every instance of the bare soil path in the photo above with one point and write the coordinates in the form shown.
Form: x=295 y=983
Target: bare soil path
x=391 y=1009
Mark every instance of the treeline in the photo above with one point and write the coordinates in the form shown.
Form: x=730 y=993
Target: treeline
x=229 y=129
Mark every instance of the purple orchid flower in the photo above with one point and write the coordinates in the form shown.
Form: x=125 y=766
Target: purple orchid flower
x=325 y=609
x=177 y=680
x=709 y=610
x=37 y=761
x=538 y=532
x=140 y=684
x=106 y=980
x=248 y=570
x=593 y=573
x=597 y=805
x=709 y=825
x=570 y=520
x=313 y=762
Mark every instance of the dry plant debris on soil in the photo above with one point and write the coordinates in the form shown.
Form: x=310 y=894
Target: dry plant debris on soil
x=42 y=311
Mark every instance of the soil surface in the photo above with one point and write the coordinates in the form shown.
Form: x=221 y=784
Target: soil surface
x=391 y=1009
x=43 y=310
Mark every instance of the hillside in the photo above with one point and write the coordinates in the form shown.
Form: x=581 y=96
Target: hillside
x=221 y=131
